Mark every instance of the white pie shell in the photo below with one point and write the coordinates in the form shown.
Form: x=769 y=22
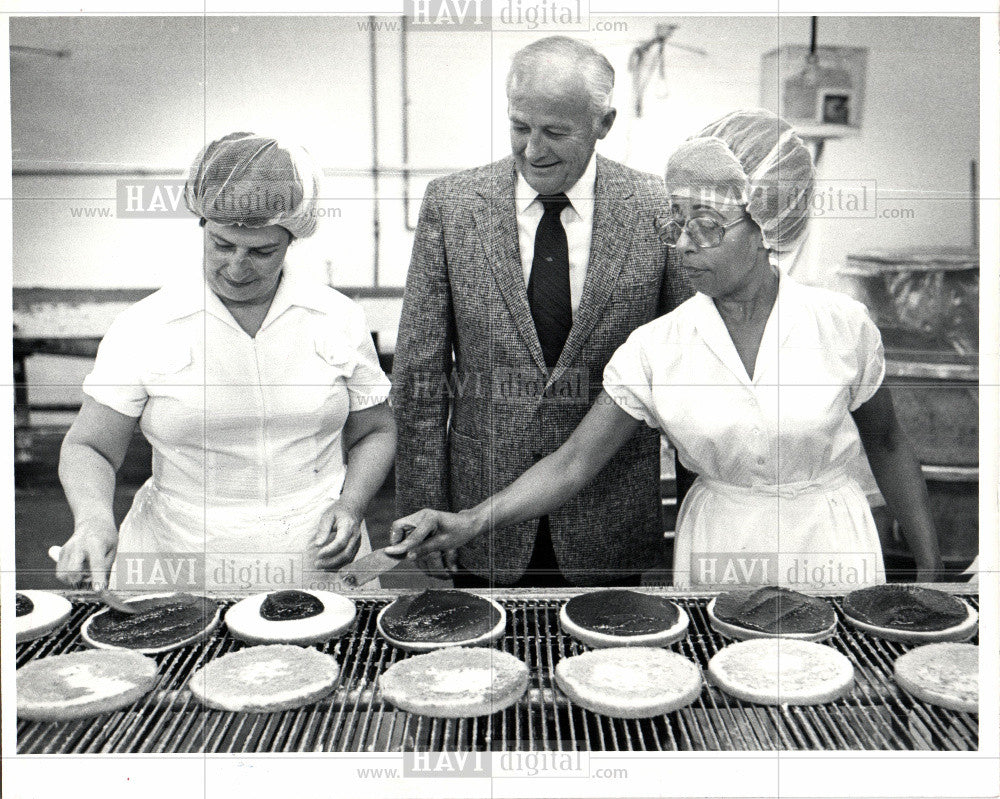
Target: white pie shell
x=245 y=622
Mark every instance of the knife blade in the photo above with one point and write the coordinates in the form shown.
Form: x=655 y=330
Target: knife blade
x=105 y=596
x=367 y=568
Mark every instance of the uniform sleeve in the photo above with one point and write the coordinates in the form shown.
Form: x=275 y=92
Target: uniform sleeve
x=116 y=380
x=367 y=385
x=870 y=356
x=628 y=381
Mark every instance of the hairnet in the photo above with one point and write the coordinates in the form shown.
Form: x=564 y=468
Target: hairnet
x=753 y=158
x=253 y=181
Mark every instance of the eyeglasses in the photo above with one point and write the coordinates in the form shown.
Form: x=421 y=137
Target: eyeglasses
x=704 y=232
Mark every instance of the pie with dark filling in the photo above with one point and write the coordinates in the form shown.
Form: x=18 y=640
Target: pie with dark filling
x=771 y=611
x=433 y=619
x=163 y=622
x=614 y=618
x=910 y=613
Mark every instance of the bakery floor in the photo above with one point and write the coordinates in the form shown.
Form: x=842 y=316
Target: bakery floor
x=42 y=517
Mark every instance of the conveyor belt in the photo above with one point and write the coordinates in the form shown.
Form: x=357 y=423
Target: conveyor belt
x=876 y=715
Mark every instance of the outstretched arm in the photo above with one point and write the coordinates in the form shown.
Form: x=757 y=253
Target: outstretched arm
x=91 y=454
x=542 y=489
x=900 y=480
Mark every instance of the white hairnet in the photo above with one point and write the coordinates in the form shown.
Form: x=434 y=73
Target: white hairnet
x=253 y=181
x=753 y=158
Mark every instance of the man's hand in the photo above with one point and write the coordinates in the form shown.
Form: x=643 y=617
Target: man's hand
x=338 y=537
x=88 y=555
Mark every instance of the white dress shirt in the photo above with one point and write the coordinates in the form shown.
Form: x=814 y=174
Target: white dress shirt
x=245 y=431
x=775 y=500
x=577 y=219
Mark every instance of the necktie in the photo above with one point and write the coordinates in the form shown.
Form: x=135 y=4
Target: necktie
x=548 y=284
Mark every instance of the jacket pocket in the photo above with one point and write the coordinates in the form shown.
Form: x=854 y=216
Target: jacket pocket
x=465 y=454
x=642 y=291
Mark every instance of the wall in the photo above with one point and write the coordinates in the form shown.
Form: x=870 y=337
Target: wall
x=148 y=92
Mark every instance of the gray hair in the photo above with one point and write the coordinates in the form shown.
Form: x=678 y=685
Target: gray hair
x=569 y=55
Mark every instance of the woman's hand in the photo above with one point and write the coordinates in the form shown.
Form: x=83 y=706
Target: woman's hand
x=339 y=536
x=88 y=554
x=369 y=438
x=428 y=532
x=439 y=564
x=931 y=573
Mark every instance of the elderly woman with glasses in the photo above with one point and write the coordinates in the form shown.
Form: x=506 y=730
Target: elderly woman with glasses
x=258 y=389
x=767 y=388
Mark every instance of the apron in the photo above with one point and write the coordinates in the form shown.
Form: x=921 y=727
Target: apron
x=166 y=544
x=813 y=534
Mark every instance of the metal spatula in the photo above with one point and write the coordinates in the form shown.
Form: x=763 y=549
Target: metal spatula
x=367 y=568
x=105 y=596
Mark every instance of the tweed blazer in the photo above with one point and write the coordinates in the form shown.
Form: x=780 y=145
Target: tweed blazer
x=474 y=402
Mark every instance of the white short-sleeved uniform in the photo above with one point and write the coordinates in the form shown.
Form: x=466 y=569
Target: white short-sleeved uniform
x=774 y=502
x=245 y=432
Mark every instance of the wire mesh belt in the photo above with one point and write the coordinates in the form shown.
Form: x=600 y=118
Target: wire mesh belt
x=875 y=715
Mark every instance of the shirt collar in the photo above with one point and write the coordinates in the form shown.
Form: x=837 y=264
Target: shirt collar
x=193 y=296
x=580 y=194
x=292 y=292
x=779 y=324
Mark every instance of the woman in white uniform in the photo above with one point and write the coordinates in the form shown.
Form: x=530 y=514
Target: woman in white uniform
x=767 y=389
x=260 y=393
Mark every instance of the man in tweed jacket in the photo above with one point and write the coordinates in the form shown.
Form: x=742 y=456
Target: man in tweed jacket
x=474 y=401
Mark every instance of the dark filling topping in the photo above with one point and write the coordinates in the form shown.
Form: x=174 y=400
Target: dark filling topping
x=289 y=605
x=621 y=612
x=23 y=605
x=161 y=621
x=904 y=607
x=774 y=610
x=438 y=616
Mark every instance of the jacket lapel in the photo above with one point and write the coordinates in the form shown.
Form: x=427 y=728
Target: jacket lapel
x=615 y=220
x=496 y=221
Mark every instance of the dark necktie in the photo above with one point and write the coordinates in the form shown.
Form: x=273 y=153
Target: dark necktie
x=548 y=284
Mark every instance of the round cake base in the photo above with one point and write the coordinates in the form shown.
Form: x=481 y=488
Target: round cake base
x=629 y=682
x=780 y=671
